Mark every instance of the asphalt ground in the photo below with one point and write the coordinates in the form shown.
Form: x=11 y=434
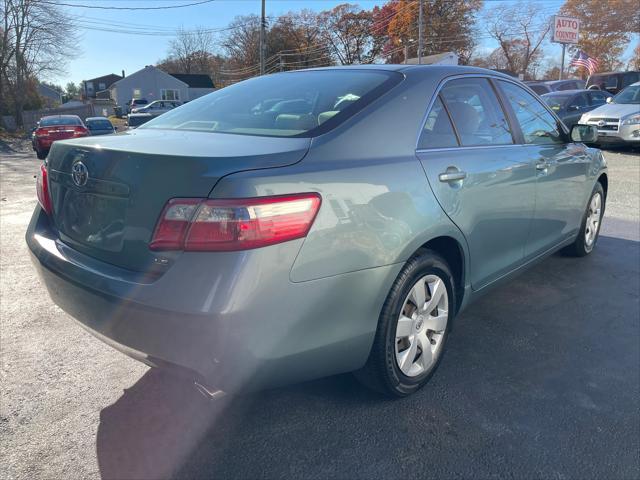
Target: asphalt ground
x=541 y=380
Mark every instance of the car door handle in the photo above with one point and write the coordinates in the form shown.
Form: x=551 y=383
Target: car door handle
x=452 y=176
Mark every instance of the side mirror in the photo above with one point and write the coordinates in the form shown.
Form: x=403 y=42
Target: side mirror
x=584 y=133
x=609 y=99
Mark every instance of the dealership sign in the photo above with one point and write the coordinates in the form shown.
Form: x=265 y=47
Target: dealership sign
x=565 y=29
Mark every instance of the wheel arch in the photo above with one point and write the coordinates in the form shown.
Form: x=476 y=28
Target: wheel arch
x=453 y=252
x=603 y=180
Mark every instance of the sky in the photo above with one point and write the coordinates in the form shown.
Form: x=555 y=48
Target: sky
x=102 y=52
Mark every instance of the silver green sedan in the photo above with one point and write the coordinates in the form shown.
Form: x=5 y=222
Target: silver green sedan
x=310 y=223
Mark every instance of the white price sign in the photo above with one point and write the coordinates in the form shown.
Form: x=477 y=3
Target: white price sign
x=565 y=29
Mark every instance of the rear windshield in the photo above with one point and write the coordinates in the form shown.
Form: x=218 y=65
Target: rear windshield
x=52 y=121
x=281 y=105
x=100 y=125
x=539 y=89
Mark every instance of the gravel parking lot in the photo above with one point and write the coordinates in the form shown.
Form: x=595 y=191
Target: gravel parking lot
x=541 y=380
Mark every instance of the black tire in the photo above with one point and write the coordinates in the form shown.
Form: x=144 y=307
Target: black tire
x=41 y=155
x=580 y=248
x=381 y=372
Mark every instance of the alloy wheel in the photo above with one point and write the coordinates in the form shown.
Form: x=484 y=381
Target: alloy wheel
x=593 y=220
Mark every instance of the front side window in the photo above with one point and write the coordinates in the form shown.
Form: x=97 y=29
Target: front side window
x=438 y=131
x=597 y=98
x=537 y=124
x=476 y=112
x=282 y=105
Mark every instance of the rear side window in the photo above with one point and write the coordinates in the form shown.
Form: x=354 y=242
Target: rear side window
x=438 y=131
x=476 y=113
x=537 y=124
x=300 y=104
x=539 y=89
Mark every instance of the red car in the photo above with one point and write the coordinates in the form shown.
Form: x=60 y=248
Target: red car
x=56 y=127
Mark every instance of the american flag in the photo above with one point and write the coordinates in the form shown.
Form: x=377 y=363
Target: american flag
x=581 y=59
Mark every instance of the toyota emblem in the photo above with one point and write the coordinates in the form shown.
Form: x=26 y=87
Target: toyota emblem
x=602 y=123
x=80 y=174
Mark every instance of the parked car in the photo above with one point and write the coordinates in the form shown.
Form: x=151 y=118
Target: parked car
x=612 y=82
x=548 y=86
x=136 y=103
x=618 y=121
x=53 y=128
x=99 y=126
x=251 y=250
x=569 y=105
x=134 y=120
x=156 y=108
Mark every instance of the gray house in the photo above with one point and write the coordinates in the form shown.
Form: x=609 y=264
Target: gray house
x=151 y=83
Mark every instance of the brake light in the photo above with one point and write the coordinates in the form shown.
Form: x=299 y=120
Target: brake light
x=80 y=131
x=234 y=224
x=42 y=132
x=42 y=189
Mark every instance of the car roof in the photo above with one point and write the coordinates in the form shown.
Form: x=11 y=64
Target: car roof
x=440 y=70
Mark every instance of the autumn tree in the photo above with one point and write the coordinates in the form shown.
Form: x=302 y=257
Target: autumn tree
x=449 y=26
x=634 y=63
x=605 y=28
x=346 y=29
x=295 y=41
x=520 y=30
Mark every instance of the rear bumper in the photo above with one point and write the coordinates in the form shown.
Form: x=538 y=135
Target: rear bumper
x=234 y=319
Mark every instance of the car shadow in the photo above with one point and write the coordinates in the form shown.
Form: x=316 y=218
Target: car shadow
x=525 y=377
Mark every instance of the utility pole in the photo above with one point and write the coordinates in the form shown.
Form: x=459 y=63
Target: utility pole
x=263 y=26
x=564 y=47
x=420 y=33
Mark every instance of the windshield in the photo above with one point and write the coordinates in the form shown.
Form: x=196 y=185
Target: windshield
x=630 y=95
x=556 y=102
x=52 y=121
x=281 y=105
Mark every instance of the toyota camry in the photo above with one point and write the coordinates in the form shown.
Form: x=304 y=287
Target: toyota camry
x=310 y=223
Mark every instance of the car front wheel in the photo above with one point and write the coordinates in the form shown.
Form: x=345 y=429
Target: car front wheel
x=413 y=327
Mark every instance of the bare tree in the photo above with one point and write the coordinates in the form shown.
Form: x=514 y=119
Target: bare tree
x=191 y=50
x=519 y=29
x=38 y=39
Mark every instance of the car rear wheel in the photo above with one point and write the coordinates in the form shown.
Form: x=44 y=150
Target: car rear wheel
x=413 y=327
x=591 y=221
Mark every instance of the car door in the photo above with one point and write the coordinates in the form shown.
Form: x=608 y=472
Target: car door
x=561 y=167
x=480 y=177
x=575 y=107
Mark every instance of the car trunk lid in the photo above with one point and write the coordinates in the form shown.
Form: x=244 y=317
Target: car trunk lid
x=108 y=192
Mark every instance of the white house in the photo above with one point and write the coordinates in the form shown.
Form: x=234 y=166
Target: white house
x=151 y=83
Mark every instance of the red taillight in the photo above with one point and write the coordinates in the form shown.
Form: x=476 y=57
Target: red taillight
x=80 y=131
x=42 y=132
x=234 y=224
x=42 y=189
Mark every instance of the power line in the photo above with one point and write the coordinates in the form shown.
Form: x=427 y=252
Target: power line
x=103 y=7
